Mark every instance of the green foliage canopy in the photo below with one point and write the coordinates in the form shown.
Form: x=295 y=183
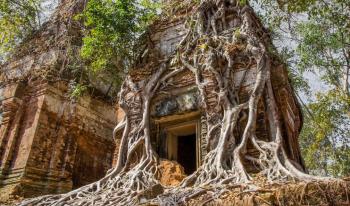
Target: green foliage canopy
x=325 y=137
x=18 y=19
x=112 y=30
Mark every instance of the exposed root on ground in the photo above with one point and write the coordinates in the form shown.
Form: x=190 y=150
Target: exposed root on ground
x=288 y=193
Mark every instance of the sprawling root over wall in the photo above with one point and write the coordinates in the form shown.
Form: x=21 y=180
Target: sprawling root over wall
x=210 y=50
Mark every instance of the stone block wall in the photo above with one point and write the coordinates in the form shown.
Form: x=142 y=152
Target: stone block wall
x=49 y=144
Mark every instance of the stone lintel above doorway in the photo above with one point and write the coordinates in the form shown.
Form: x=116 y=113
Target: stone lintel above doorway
x=172 y=104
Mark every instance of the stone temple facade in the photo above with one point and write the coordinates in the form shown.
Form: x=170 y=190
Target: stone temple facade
x=50 y=144
x=177 y=121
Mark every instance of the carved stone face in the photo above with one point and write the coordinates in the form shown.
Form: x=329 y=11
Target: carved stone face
x=176 y=104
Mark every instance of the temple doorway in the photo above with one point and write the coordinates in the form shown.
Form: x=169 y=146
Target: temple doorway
x=186 y=152
x=179 y=140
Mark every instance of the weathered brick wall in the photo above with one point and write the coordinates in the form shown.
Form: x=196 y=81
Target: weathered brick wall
x=50 y=144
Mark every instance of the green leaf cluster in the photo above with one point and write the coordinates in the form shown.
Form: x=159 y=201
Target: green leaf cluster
x=112 y=31
x=324 y=41
x=18 y=19
x=325 y=136
x=77 y=90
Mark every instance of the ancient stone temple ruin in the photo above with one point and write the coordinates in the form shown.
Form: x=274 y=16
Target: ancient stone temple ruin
x=178 y=127
x=50 y=144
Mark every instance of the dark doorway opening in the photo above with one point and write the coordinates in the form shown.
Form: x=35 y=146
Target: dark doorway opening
x=179 y=141
x=186 y=152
